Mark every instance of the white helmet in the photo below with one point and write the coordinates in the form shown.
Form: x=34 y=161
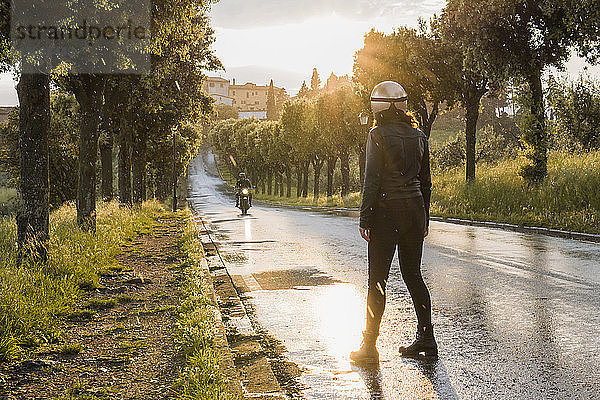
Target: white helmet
x=387 y=93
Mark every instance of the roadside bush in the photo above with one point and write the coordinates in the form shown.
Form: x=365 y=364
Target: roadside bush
x=493 y=144
x=575 y=109
x=450 y=155
x=62 y=148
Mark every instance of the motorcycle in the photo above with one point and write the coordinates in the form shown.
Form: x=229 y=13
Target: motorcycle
x=244 y=201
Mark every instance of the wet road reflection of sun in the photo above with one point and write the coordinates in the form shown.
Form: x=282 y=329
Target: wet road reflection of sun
x=342 y=317
x=341 y=320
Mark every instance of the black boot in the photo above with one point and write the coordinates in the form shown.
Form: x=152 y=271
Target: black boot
x=368 y=353
x=425 y=343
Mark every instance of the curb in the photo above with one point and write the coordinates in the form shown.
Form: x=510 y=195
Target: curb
x=354 y=212
x=226 y=362
x=587 y=237
x=235 y=376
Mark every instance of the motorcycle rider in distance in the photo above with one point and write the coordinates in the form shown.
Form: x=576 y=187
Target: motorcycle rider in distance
x=395 y=215
x=241 y=184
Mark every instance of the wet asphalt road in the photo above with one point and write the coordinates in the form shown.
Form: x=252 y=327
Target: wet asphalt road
x=517 y=316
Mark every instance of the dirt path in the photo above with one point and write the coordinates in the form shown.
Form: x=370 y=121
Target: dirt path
x=119 y=344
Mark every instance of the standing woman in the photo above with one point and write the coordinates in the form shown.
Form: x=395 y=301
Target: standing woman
x=395 y=215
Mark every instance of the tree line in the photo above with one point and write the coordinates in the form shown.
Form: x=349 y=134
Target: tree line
x=313 y=133
x=142 y=115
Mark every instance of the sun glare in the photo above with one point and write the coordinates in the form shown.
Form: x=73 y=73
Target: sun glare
x=326 y=42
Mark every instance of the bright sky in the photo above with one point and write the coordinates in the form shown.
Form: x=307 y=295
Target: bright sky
x=326 y=42
x=259 y=40
x=285 y=39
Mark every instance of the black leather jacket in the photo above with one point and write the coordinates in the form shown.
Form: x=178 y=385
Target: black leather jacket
x=243 y=184
x=397 y=168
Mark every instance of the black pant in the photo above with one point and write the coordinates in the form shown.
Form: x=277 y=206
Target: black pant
x=399 y=224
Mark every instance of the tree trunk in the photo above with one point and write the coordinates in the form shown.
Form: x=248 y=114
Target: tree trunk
x=145 y=185
x=317 y=165
x=34 y=123
x=270 y=182
x=472 y=115
x=109 y=128
x=138 y=165
x=298 y=180
x=263 y=185
x=426 y=117
x=125 y=162
x=345 y=171
x=88 y=90
x=331 y=162
x=163 y=185
x=106 y=156
x=281 y=186
x=535 y=132
x=288 y=175
x=305 y=179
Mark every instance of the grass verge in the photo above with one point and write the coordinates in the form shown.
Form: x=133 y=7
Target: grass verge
x=336 y=201
x=568 y=199
x=34 y=296
x=201 y=378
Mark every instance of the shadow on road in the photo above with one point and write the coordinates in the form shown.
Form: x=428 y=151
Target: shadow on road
x=372 y=377
x=433 y=370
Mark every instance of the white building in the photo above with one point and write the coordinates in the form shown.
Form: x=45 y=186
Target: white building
x=250 y=100
x=218 y=89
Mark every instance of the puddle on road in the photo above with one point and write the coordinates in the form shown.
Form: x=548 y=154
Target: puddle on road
x=234 y=243
x=234 y=258
x=240 y=218
x=293 y=278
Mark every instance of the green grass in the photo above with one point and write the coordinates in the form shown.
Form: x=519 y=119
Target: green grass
x=201 y=378
x=33 y=296
x=568 y=199
x=70 y=349
x=77 y=391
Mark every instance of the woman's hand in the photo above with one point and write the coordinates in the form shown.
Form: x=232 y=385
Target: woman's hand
x=366 y=234
x=426 y=232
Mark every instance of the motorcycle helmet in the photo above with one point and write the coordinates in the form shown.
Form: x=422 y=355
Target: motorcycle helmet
x=387 y=93
x=242 y=175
